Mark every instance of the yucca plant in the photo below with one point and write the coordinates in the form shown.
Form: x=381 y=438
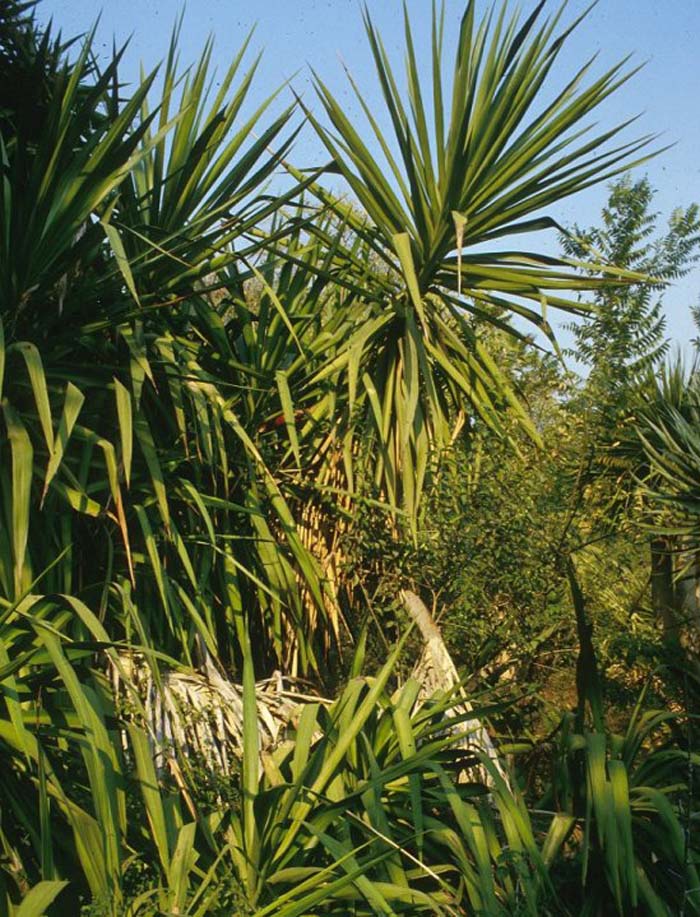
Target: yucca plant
x=481 y=161
x=361 y=807
x=362 y=812
x=622 y=839
x=148 y=226
x=62 y=798
x=654 y=466
x=664 y=429
x=192 y=367
x=140 y=453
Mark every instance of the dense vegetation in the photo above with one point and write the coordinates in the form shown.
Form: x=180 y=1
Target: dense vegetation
x=244 y=416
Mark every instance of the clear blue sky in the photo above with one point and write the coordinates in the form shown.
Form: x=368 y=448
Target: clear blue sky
x=294 y=34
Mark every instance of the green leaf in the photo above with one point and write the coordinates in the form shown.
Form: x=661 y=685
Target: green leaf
x=37 y=900
x=72 y=406
x=126 y=426
x=122 y=258
x=22 y=470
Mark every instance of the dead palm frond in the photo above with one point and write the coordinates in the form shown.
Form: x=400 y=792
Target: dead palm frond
x=198 y=714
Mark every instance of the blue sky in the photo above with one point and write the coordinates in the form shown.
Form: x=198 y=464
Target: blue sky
x=326 y=34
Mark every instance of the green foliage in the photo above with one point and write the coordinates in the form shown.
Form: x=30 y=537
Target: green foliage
x=625 y=337
x=137 y=458
x=665 y=436
x=629 y=792
x=483 y=168
x=28 y=65
x=201 y=381
x=362 y=810
x=488 y=561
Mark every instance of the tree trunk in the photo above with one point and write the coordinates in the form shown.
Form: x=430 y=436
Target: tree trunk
x=687 y=599
x=436 y=671
x=663 y=591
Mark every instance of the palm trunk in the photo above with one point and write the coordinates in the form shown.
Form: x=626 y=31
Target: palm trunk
x=663 y=592
x=436 y=671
